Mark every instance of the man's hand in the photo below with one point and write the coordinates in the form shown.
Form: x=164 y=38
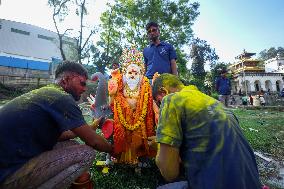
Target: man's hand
x=95 y=123
x=66 y=135
x=155 y=76
x=152 y=142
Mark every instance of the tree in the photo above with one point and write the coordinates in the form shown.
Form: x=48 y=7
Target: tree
x=200 y=53
x=124 y=23
x=197 y=67
x=216 y=70
x=83 y=44
x=271 y=53
x=60 y=11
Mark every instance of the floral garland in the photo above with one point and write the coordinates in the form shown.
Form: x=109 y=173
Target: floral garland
x=141 y=119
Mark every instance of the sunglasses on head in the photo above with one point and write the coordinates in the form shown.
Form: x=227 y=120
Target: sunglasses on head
x=152 y=30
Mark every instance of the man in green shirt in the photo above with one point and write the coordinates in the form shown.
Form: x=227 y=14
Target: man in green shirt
x=196 y=132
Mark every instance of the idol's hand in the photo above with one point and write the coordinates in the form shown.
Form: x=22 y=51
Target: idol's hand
x=112 y=87
x=91 y=99
x=155 y=76
x=152 y=142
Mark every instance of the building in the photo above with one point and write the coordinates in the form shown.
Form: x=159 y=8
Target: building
x=250 y=76
x=275 y=65
x=29 y=53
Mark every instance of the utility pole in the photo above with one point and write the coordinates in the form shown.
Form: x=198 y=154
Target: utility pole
x=244 y=76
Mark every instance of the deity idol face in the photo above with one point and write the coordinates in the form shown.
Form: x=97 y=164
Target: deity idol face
x=132 y=76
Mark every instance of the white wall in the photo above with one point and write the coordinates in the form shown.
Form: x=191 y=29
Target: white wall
x=27 y=45
x=262 y=80
x=275 y=65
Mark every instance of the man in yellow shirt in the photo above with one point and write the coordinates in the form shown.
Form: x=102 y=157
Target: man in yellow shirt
x=195 y=131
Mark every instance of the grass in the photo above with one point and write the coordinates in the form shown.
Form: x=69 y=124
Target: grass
x=264 y=130
x=125 y=176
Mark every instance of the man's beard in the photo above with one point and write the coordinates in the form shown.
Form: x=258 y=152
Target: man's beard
x=154 y=38
x=132 y=83
x=76 y=97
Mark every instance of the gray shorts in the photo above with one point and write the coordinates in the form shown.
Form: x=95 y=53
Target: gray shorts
x=57 y=168
x=224 y=99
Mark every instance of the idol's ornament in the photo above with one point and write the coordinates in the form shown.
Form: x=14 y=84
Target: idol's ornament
x=132 y=104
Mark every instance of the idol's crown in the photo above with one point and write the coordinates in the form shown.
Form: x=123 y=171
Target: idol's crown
x=132 y=55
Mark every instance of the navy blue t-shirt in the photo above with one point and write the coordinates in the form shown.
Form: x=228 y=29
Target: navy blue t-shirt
x=32 y=123
x=223 y=86
x=158 y=58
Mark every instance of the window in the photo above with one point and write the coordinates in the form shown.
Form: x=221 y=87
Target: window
x=45 y=37
x=20 y=31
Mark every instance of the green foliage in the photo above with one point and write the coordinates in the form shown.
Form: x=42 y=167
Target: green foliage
x=200 y=53
x=271 y=53
x=198 y=61
x=215 y=95
x=61 y=9
x=217 y=68
x=269 y=136
x=124 y=23
x=183 y=72
x=102 y=60
x=8 y=92
x=125 y=177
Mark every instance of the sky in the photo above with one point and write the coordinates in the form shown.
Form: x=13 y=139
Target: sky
x=229 y=26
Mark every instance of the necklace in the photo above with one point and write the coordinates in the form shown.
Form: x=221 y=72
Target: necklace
x=142 y=117
x=131 y=93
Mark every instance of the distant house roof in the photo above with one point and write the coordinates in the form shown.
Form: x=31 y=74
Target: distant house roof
x=245 y=55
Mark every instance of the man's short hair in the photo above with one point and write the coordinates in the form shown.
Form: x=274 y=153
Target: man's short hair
x=150 y=24
x=166 y=81
x=223 y=71
x=68 y=66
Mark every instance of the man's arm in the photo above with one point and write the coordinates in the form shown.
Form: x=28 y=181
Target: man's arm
x=168 y=160
x=174 y=67
x=66 y=135
x=91 y=138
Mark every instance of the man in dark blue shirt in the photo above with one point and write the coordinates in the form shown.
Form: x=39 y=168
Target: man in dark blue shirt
x=223 y=87
x=31 y=126
x=159 y=56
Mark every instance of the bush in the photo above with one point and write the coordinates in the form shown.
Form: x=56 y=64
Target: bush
x=215 y=95
x=8 y=92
